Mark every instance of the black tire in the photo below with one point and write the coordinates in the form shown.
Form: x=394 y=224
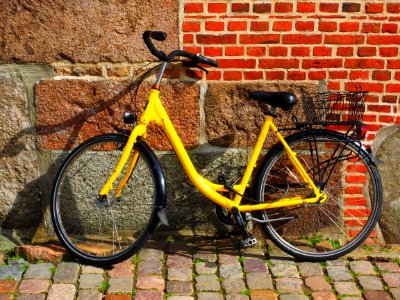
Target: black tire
x=105 y=232
x=328 y=230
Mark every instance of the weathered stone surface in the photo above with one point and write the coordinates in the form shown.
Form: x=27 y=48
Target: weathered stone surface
x=11 y=271
x=254 y=265
x=206 y=268
x=8 y=286
x=90 y=281
x=123 y=269
x=180 y=274
x=66 y=273
x=362 y=267
x=149 y=295
x=71 y=111
x=207 y=283
x=339 y=273
x=179 y=287
x=59 y=291
x=20 y=204
x=209 y=296
x=233 y=120
x=317 y=283
x=346 y=288
x=371 y=283
x=120 y=285
x=289 y=285
x=33 y=286
x=150 y=282
x=263 y=295
x=387 y=145
x=86 y=32
x=233 y=285
x=89 y=295
x=284 y=270
x=38 y=271
x=149 y=267
x=310 y=269
x=30 y=297
x=391 y=279
x=323 y=296
x=50 y=253
x=373 y=295
x=259 y=281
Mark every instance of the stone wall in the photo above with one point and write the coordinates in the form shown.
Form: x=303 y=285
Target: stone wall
x=65 y=73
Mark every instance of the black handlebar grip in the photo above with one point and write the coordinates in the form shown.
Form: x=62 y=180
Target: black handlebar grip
x=205 y=60
x=158 y=35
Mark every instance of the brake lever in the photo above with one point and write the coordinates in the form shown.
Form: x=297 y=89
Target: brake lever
x=192 y=64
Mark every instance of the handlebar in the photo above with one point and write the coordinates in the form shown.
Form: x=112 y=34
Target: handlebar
x=161 y=36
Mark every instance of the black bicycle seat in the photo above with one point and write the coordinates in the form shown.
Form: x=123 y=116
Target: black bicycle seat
x=284 y=100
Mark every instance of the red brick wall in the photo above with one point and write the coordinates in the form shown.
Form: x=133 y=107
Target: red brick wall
x=346 y=44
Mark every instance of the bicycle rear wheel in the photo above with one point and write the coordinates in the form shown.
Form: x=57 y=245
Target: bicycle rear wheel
x=102 y=232
x=345 y=172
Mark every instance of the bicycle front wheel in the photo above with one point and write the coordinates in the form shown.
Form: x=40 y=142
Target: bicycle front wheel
x=342 y=169
x=97 y=231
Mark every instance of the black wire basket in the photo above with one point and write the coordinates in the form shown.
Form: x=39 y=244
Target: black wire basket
x=340 y=108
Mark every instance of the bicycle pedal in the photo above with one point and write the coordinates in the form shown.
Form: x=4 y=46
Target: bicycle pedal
x=250 y=241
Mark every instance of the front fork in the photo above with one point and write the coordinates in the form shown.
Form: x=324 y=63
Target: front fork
x=138 y=131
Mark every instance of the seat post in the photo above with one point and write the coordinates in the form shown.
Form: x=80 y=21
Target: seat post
x=272 y=112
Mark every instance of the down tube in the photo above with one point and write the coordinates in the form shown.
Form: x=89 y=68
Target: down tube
x=202 y=184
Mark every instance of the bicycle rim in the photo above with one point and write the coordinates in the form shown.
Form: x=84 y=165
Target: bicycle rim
x=346 y=174
x=103 y=231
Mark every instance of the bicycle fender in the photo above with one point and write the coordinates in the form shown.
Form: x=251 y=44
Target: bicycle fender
x=160 y=183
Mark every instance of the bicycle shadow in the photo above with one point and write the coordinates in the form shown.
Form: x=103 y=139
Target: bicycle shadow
x=28 y=213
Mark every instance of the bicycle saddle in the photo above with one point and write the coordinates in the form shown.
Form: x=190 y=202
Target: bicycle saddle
x=284 y=100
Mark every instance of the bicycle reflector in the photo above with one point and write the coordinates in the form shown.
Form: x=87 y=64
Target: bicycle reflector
x=129 y=118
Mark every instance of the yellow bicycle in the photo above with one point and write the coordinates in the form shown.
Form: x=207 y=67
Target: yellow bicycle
x=317 y=193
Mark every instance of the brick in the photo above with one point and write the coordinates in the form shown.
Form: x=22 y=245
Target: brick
x=381 y=75
x=322 y=51
x=213 y=75
x=193 y=7
x=275 y=75
x=50 y=253
x=278 y=51
x=237 y=25
x=359 y=75
x=338 y=74
x=233 y=75
x=260 y=38
x=190 y=26
x=389 y=28
x=213 y=51
x=117 y=297
x=351 y=7
x=317 y=75
x=240 y=7
x=253 y=75
x=260 y=8
x=373 y=8
x=305 y=7
x=366 y=51
x=302 y=39
x=393 y=88
x=217 y=7
x=393 y=8
x=349 y=26
x=279 y=63
x=234 y=51
x=384 y=40
x=329 y=7
x=327 y=26
x=237 y=63
x=389 y=99
x=283 y=7
x=393 y=64
x=216 y=39
x=386 y=119
x=344 y=39
x=371 y=27
x=188 y=38
x=215 y=26
x=282 y=26
x=355 y=63
x=304 y=26
x=256 y=51
x=259 y=26
x=301 y=51
x=296 y=75
x=322 y=63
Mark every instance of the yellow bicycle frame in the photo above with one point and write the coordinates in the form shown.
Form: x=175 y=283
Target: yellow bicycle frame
x=156 y=113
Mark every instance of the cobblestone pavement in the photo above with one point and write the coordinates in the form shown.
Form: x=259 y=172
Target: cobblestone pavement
x=205 y=270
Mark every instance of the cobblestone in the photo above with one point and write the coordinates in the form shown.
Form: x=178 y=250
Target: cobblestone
x=231 y=274
x=66 y=273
